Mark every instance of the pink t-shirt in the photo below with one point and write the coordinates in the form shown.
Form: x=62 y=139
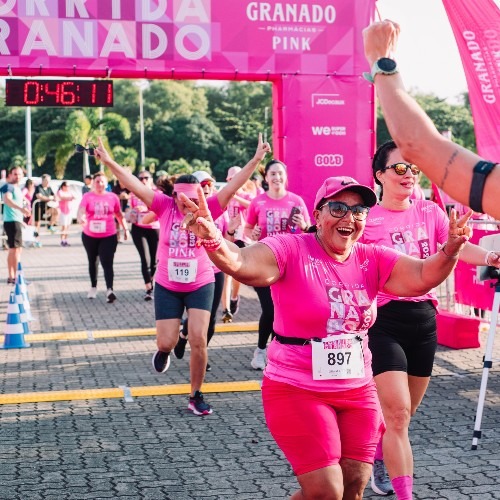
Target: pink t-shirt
x=100 y=210
x=316 y=296
x=141 y=209
x=65 y=198
x=272 y=215
x=233 y=209
x=416 y=232
x=182 y=266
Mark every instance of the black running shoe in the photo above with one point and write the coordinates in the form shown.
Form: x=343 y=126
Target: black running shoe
x=234 y=305
x=209 y=368
x=110 y=296
x=180 y=348
x=227 y=317
x=161 y=361
x=198 y=406
x=148 y=295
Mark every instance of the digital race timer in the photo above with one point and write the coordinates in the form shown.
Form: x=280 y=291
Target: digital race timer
x=59 y=93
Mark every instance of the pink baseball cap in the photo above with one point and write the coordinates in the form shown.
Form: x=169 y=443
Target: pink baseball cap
x=334 y=185
x=232 y=172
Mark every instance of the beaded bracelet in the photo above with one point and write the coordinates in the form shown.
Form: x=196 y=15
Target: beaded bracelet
x=487 y=257
x=214 y=244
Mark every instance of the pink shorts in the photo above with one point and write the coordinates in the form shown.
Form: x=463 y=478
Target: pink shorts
x=316 y=429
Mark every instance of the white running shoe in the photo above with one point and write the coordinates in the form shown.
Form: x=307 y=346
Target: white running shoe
x=92 y=293
x=259 y=359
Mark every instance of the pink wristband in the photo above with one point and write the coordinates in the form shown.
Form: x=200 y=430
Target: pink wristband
x=213 y=244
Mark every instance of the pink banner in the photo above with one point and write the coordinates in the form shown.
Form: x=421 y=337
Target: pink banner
x=182 y=38
x=468 y=290
x=327 y=130
x=476 y=25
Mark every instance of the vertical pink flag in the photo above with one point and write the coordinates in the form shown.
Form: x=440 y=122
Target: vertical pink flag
x=476 y=26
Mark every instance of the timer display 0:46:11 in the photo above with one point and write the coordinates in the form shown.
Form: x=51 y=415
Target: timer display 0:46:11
x=62 y=93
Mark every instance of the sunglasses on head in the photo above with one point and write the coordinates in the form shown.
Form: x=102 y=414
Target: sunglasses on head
x=90 y=150
x=205 y=183
x=402 y=168
x=338 y=210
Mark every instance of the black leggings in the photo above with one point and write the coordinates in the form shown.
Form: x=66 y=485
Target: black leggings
x=103 y=249
x=219 y=286
x=146 y=238
x=267 y=317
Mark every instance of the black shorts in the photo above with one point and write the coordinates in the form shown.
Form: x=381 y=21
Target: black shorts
x=404 y=338
x=14 y=232
x=171 y=305
x=40 y=208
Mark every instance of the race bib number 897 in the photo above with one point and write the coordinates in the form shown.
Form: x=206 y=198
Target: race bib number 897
x=338 y=357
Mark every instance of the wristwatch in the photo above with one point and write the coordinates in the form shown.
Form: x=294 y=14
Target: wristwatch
x=384 y=65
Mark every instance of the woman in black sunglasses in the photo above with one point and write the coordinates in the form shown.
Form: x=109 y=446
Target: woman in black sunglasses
x=403 y=339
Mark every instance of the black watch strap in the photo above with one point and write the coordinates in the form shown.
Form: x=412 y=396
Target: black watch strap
x=481 y=171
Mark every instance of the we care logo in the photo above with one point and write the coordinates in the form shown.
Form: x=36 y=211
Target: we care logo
x=327 y=130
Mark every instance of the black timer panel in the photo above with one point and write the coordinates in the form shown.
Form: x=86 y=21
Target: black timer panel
x=62 y=93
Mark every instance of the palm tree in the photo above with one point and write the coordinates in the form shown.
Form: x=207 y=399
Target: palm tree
x=82 y=127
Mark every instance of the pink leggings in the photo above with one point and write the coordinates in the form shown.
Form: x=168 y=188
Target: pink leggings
x=316 y=429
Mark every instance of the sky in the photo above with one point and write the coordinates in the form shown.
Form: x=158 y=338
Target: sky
x=427 y=54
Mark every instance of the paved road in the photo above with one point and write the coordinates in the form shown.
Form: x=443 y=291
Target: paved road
x=152 y=447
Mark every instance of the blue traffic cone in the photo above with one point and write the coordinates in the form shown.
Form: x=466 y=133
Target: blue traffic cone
x=14 y=329
x=24 y=292
x=22 y=310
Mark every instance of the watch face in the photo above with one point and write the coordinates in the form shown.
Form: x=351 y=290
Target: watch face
x=386 y=64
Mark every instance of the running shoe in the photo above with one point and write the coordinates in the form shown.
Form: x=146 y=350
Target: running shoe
x=11 y=281
x=110 y=296
x=259 y=359
x=380 y=482
x=227 y=317
x=234 y=305
x=180 y=348
x=92 y=293
x=148 y=296
x=209 y=368
x=161 y=361
x=198 y=406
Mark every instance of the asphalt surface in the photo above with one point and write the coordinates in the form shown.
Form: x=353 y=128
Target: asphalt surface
x=149 y=446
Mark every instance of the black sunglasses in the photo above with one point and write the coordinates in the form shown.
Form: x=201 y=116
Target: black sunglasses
x=80 y=149
x=338 y=210
x=144 y=177
x=402 y=168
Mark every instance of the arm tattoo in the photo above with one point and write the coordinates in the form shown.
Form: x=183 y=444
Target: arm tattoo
x=446 y=168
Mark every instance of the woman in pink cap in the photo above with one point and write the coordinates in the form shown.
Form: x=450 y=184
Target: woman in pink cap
x=184 y=277
x=320 y=400
x=276 y=211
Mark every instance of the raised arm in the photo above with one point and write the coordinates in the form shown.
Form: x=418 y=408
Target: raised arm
x=254 y=265
x=413 y=277
x=444 y=162
x=229 y=190
x=126 y=178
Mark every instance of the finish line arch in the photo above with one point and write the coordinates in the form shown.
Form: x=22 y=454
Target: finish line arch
x=311 y=51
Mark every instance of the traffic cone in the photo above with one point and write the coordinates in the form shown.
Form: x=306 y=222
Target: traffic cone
x=22 y=310
x=14 y=329
x=24 y=291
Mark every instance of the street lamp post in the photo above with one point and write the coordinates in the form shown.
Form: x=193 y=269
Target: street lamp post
x=143 y=85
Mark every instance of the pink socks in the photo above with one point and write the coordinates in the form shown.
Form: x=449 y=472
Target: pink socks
x=403 y=487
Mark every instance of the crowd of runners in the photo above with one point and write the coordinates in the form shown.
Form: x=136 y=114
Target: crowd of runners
x=348 y=303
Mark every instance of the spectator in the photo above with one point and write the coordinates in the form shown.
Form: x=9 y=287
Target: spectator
x=65 y=197
x=88 y=184
x=44 y=205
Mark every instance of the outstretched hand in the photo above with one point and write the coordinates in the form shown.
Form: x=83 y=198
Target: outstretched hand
x=262 y=149
x=198 y=219
x=459 y=232
x=380 y=40
x=101 y=153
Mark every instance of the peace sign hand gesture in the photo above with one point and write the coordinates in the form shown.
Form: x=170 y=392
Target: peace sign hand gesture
x=262 y=149
x=198 y=219
x=458 y=234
